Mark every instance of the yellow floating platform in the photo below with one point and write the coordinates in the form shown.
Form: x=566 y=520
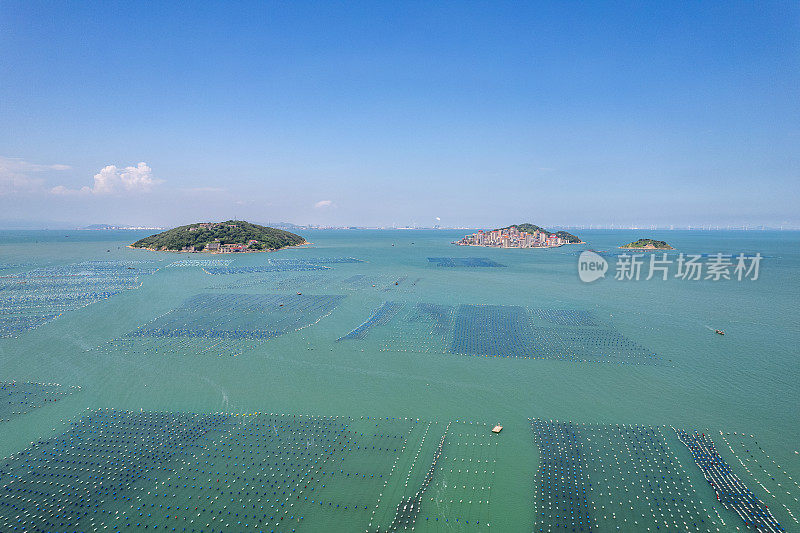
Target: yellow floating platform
x=497 y=429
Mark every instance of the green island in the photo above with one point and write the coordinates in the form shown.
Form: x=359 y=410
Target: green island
x=220 y=237
x=533 y=229
x=648 y=244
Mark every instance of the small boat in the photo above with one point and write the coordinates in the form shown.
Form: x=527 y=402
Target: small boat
x=497 y=429
x=719 y=332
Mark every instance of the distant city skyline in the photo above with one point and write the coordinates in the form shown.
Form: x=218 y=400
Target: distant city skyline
x=469 y=115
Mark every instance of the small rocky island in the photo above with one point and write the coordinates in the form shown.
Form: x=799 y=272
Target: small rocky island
x=647 y=244
x=220 y=237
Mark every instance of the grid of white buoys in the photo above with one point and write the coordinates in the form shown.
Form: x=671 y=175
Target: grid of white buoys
x=212 y=473
x=276 y=281
x=767 y=473
x=499 y=331
x=293 y=281
x=420 y=327
x=469 y=262
x=384 y=283
x=565 y=317
x=20 y=397
x=30 y=299
x=200 y=263
x=460 y=489
x=8 y=266
x=257 y=269
x=282 y=265
x=448 y=481
x=224 y=324
x=730 y=490
x=603 y=477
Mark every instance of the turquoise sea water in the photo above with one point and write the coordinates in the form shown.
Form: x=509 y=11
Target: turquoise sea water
x=286 y=358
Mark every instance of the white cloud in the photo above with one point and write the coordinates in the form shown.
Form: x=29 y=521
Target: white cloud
x=322 y=204
x=14 y=164
x=113 y=180
x=15 y=175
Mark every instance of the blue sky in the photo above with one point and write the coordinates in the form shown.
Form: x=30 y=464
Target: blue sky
x=375 y=113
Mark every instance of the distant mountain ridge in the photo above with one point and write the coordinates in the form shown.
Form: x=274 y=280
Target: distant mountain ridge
x=231 y=235
x=533 y=228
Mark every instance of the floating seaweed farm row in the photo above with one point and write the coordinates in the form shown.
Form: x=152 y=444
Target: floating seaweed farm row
x=224 y=472
x=295 y=274
x=730 y=490
x=258 y=472
x=30 y=299
x=380 y=317
x=230 y=324
x=9 y=266
x=200 y=263
x=499 y=331
x=606 y=477
x=19 y=397
x=590 y=477
x=282 y=265
x=293 y=281
x=468 y=262
x=276 y=281
x=225 y=324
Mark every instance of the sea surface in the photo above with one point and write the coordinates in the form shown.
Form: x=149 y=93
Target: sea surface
x=400 y=350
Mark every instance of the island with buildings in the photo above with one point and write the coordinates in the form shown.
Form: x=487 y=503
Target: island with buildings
x=519 y=236
x=221 y=237
x=647 y=244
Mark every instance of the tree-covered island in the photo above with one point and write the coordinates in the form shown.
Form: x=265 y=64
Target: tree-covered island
x=647 y=244
x=220 y=237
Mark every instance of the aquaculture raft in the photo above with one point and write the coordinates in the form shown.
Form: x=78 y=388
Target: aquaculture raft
x=471 y=262
x=730 y=490
x=601 y=477
x=225 y=324
x=30 y=299
x=18 y=398
x=214 y=473
x=500 y=331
